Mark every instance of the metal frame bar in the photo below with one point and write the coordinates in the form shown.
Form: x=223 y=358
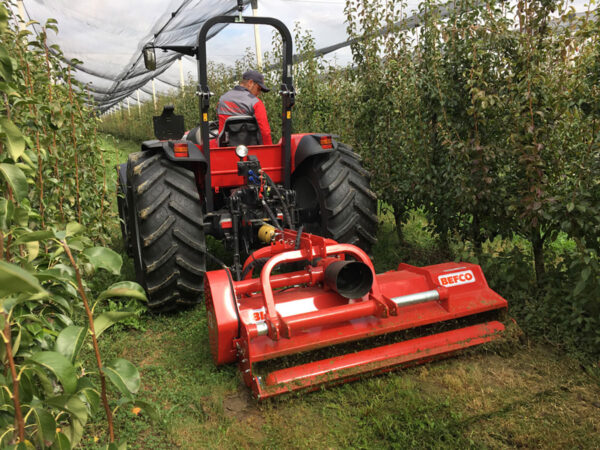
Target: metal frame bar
x=287 y=92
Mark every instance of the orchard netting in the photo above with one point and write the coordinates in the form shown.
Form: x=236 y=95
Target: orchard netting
x=103 y=40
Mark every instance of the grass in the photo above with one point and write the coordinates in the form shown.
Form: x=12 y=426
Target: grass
x=504 y=395
x=116 y=150
x=514 y=393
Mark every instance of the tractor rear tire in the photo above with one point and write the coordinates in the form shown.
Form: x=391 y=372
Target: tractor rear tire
x=167 y=231
x=335 y=198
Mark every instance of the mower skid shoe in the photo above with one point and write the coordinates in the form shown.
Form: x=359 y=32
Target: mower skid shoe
x=377 y=360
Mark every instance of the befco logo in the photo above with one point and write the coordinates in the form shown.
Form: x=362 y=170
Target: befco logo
x=457 y=278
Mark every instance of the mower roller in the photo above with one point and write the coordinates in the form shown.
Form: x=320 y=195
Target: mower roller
x=337 y=299
x=304 y=212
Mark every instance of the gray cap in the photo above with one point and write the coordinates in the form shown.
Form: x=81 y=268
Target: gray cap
x=257 y=77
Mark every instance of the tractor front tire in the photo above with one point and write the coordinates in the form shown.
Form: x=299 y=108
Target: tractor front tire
x=167 y=231
x=335 y=199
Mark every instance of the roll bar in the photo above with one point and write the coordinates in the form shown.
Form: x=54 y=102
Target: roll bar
x=286 y=91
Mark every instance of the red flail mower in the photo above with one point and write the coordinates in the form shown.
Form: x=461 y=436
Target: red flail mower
x=337 y=299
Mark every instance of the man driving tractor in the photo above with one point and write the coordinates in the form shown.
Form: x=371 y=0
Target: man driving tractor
x=244 y=100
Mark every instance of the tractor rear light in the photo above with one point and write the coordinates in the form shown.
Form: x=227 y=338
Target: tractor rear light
x=326 y=142
x=180 y=150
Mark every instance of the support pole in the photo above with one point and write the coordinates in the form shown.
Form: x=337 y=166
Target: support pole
x=257 y=36
x=128 y=111
x=154 y=94
x=22 y=15
x=139 y=104
x=181 y=77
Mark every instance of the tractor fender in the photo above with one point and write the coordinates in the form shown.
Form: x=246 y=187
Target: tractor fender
x=307 y=146
x=149 y=145
x=195 y=155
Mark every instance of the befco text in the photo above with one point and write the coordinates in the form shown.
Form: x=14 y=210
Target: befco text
x=456 y=278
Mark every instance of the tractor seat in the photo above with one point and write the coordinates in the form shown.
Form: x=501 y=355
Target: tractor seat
x=239 y=130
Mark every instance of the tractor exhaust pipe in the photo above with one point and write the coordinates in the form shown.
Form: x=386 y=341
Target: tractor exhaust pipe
x=350 y=279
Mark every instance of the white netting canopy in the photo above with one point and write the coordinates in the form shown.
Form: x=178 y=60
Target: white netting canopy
x=107 y=36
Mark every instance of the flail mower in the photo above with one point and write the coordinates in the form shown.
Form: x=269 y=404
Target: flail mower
x=303 y=213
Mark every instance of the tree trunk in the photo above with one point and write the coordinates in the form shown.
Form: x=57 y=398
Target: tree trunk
x=399 y=218
x=537 y=243
x=476 y=236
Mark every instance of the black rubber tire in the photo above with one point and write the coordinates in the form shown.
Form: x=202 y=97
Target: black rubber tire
x=167 y=233
x=335 y=199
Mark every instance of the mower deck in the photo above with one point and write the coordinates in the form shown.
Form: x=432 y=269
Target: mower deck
x=254 y=320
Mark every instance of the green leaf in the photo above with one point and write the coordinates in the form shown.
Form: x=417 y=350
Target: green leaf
x=14 y=280
x=6 y=66
x=124 y=375
x=74 y=228
x=33 y=236
x=585 y=273
x=6 y=213
x=74 y=431
x=61 y=442
x=62 y=302
x=109 y=318
x=21 y=216
x=46 y=426
x=16 y=180
x=60 y=366
x=59 y=272
x=71 y=404
x=78 y=411
x=14 y=138
x=104 y=258
x=42 y=380
x=76 y=244
x=3 y=18
x=89 y=394
x=124 y=289
x=579 y=287
x=69 y=342
x=33 y=250
x=17 y=341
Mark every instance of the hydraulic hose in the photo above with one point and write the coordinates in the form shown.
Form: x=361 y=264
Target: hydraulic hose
x=286 y=213
x=271 y=215
x=254 y=263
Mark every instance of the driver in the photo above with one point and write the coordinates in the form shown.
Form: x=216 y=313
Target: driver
x=243 y=100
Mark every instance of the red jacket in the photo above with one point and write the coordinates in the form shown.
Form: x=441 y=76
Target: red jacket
x=238 y=102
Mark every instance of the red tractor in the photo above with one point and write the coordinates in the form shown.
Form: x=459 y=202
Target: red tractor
x=176 y=191
x=287 y=206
